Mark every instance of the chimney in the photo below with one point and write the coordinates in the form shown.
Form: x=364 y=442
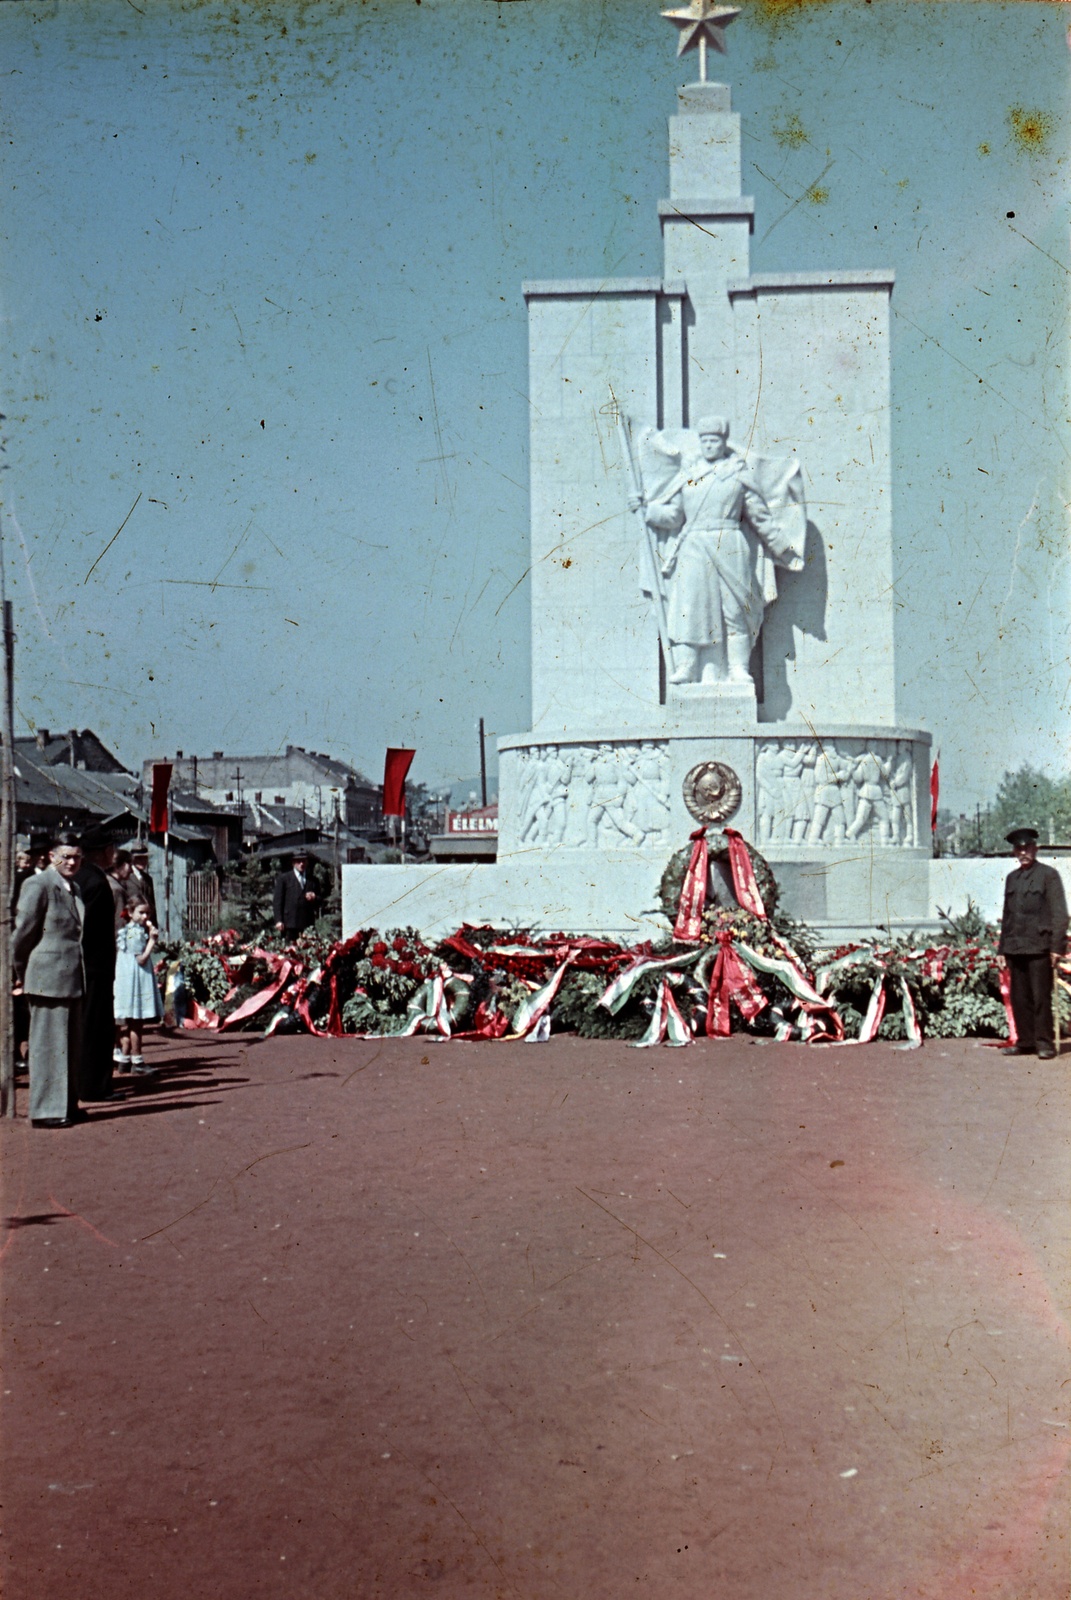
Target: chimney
x=178 y=755
x=72 y=739
x=41 y=738
x=217 y=755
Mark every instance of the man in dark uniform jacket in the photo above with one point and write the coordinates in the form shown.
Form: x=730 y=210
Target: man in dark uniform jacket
x=98 y=951
x=295 y=900
x=1033 y=934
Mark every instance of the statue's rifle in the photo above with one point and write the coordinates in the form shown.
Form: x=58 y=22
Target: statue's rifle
x=648 y=544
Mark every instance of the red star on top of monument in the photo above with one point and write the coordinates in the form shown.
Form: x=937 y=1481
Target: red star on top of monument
x=700 y=21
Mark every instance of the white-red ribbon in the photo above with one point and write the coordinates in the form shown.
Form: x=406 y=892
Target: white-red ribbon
x=731 y=980
x=745 y=884
x=689 y=923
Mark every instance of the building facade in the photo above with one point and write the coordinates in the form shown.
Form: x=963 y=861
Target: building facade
x=305 y=781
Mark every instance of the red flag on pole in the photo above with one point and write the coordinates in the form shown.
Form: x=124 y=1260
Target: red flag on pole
x=935 y=785
x=397 y=765
x=161 y=783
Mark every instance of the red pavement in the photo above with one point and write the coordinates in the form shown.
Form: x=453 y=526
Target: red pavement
x=317 y=1318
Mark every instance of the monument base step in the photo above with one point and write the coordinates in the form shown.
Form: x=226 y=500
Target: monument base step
x=841 y=894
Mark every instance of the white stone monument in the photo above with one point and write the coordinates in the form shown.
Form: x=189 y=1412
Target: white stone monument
x=712 y=585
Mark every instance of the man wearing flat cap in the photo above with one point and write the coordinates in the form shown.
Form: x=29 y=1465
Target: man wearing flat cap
x=1033 y=935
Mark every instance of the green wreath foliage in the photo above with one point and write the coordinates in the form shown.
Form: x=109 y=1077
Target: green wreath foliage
x=669 y=889
x=953 y=979
x=206 y=977
x=577 y=1009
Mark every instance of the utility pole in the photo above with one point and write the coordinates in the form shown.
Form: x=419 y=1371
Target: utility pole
x=338 y=856
x=483 y=767
x=7 y=868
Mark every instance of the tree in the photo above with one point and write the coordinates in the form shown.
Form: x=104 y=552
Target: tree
x=1028 y=799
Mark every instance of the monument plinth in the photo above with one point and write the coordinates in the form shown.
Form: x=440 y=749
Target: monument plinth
x=712 y=583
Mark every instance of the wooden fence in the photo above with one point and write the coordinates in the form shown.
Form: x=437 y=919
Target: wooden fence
x=202 y=901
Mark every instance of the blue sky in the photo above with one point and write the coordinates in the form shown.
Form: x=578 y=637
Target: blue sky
x=262 y=312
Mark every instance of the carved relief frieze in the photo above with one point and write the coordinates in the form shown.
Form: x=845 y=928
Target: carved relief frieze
x=834 y=791
x=611 y=795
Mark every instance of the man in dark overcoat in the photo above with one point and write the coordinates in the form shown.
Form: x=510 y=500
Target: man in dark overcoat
x=139 y=885
x=1033 y=936
x=295 y=901
x=98 y=948
x=47 y=957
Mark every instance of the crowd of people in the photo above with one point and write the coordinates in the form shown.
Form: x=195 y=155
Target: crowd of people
x=85 y=986
x=82 y=950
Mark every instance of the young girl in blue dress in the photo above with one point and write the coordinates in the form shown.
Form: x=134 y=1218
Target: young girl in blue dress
x=137 y=994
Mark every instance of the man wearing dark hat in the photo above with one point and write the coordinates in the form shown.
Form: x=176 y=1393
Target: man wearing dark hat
x=1033 y=934
x=139 y=885
x=294 y=900
x=98 y=949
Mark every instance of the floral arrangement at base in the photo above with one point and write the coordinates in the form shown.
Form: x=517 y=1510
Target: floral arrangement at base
x=762 y=975
x=723 y=968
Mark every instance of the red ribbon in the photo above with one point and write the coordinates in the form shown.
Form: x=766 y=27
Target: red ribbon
x=258 y=1001
x=198 y=1016
x=745 y=886
x=1005 y=995
x=731 y=980
x=689 y=923
x=486 y=1024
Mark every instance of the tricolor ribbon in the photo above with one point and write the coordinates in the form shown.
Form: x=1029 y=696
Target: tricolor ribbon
x=621 y=988
x=876 y=1010
x=819 y=1020
x=531 y=1010
x=689 y=923
x=437 y=1004
x=666 y=1025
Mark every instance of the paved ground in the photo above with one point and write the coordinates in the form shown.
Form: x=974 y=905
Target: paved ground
x=316 y=1319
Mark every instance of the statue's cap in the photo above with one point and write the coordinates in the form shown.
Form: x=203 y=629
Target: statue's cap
x=1022 y=836
x=719 y=425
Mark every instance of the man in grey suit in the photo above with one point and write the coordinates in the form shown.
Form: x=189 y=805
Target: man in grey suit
x=47 y=956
